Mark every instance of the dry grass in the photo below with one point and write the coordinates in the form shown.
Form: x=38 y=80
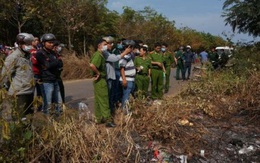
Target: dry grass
x=180 y=125
x=75 y=67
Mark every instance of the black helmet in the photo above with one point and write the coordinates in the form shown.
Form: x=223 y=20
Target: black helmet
x=128 y=43
x=24 y=38
x=48 y=37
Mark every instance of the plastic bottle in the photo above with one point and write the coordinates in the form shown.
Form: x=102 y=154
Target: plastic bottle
x=83 y=110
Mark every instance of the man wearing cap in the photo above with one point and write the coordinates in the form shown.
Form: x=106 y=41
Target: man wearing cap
x=17 y=75
x=179 y=62
x=111 y=59
x=188 y=59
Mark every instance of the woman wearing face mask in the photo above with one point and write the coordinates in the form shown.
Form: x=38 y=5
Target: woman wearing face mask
x=17 y=75
x=57 y=48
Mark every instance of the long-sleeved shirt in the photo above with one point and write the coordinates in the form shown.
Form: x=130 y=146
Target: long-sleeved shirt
x=17 y=71
x=110 y=64
x=50 y=65
x=188 y=57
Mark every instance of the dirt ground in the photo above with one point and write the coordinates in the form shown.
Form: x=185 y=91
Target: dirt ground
x=234 y=139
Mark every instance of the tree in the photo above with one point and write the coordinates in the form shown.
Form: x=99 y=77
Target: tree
x=243 y=15
x=18 y=12
x=74 y=15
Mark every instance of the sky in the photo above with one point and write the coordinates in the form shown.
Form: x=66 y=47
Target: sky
x=201 y=15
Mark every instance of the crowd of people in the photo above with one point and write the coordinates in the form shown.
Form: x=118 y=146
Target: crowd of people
x=128 y=69
x=119 y=68
x=34 y=64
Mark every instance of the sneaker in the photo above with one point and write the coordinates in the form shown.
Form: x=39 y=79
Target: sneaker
x=110 y=124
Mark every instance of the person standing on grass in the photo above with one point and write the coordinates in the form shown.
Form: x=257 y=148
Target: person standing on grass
x=168 y=61
x=143 y=67
x=57 y=49
x=188 y=59
x=157 y=72
x=98 y=67
x=203 y=57
x=36 y=70
x=179 y=62
x=17 y=75
x=214 y=58
x=118 y=87
x=111 y=60
x=50 y=67
x=128 y=72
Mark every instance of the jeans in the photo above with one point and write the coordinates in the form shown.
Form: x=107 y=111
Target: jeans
x=62 y=90
x=51 y=95
x=111 y=94
x=127 y=91
x=118 y=87
x=187 y=66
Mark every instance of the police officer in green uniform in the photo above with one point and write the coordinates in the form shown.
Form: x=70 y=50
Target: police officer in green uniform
x=98 y=66
x=168 y=61
x=143 y=67
x=157 y=72
x=179 y=62
x=223 y=58
x=214 y=58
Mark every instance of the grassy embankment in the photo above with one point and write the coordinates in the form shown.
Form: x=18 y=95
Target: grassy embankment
x=182 y=124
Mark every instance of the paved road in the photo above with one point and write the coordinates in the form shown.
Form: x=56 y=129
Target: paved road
x=83 y=91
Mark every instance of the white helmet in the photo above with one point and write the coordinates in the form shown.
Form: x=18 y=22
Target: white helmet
x=188 y=47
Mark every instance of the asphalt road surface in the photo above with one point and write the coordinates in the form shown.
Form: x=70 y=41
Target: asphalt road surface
x=82 y=91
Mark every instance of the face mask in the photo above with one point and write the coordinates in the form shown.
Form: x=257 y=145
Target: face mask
x=119 y=46
x=163 y=49
x=59 y=49
x=137 y=52
x=27 y=48
x=104 y=48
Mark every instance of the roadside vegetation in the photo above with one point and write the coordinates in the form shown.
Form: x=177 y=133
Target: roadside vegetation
x=214 y=119
x=79 y=23
x=209 y=114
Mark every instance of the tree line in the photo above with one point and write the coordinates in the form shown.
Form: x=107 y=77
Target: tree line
x=78 y=23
